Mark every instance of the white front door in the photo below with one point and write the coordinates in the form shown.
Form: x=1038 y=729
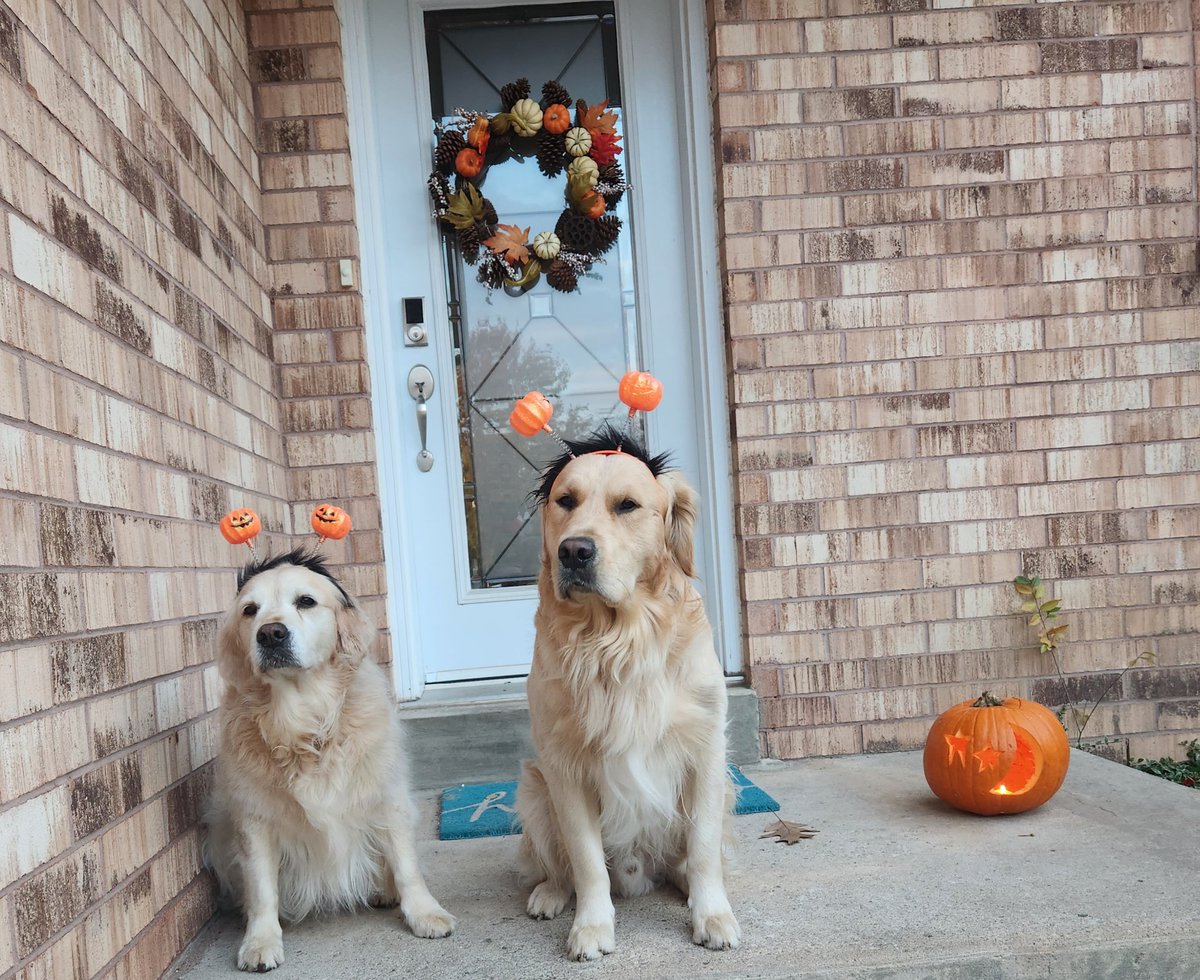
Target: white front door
x=461 y=538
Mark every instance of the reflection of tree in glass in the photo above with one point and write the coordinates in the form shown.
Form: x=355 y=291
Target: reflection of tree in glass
x=499 y=466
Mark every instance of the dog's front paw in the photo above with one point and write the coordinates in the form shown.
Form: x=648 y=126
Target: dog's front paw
x=590 y=941
x=430 y=921
x=720 y=930
x=261 y=950
x=546 y=901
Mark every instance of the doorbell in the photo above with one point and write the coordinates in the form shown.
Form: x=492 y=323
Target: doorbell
x=415 y=334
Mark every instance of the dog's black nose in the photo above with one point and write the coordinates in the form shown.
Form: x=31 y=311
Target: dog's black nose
x=272 y=635
x=576 y=552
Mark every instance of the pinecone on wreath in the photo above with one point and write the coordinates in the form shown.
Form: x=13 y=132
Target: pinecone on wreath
x=448 y=147
x=562 y=277
x=551 y=153
x=554 y=94
x=489 y=213
x=514 y=92
x=498 y=146
x=490 y=273
x=577 y=232
x=468 y=244
x=611 y=173
x=608 y=227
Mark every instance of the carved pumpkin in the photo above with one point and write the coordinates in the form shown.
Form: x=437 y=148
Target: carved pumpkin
x=331 y=522
x=641 y=391
x=240 y=526
x=556 y=119
x=469 y=162
x=531 y=414
x=991 y=756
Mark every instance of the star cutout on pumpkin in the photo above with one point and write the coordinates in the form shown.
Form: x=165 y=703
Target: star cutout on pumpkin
x=988 y=757
x=958 y=745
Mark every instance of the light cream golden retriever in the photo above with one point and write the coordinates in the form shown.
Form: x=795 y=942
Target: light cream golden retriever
x=627 y=704
x=310 y=809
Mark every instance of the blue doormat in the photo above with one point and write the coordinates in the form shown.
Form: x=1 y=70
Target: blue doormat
x=489 y=809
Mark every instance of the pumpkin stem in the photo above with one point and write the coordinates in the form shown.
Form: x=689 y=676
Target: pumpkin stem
x=988 y=700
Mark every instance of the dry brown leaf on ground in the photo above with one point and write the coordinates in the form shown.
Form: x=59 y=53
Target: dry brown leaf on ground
x=787 y=831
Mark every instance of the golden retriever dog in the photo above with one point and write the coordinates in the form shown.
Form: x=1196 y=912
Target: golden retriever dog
x=627 y=703
x=310 y=809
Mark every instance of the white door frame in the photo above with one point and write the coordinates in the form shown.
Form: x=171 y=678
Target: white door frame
x=390 y=406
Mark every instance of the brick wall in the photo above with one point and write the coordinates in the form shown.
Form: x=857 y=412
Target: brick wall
x=960 y=272
x=320 y=347
x=142 y=267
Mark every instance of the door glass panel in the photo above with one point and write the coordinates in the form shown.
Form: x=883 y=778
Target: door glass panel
x=573 y=347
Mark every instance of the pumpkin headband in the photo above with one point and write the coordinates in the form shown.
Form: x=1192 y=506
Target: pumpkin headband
x=241 y=526
x=639 y=390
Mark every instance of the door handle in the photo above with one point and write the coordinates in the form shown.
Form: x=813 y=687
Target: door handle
x=420 y=387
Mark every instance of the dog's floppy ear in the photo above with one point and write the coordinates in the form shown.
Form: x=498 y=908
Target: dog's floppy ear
x=233 y=659
x=355 y=634
x=682 y=508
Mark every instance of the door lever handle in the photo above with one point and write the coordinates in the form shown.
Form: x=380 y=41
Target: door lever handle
x=420 y=387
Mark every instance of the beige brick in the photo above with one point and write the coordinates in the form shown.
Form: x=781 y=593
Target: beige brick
x=807 y=743
x=848 y=35
x=996 y=130
x=988 y=61
x=796 y=143
x=949 y=98
x=958 y=27
x=892 y=208
x=785 y=73
x=885 y=68
x=740 y=40
x=892 y=136
x=1155 y=154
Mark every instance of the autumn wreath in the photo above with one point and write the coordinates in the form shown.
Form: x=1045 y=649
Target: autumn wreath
x=584 y=143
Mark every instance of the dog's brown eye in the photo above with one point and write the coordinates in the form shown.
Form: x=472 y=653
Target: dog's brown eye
x=627 y=505
x=566 y=502
x=250 y=610
x=306 y=602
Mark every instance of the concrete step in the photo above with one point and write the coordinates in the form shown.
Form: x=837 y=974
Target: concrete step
x=472 y=733
x=1098 y=884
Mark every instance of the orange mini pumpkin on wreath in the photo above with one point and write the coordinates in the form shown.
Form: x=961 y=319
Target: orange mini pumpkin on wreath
x=585 y=144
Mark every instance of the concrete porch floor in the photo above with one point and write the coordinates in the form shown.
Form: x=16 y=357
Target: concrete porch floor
x=1101 y=882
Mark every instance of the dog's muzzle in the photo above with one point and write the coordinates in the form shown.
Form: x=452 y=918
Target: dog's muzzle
x=576 y=565
x=275 y=646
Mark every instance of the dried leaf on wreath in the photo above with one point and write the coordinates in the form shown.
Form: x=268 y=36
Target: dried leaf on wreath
x=465 y=207
x=510 y=242
x=597 y=120
x=605 y=148
x=787 y=831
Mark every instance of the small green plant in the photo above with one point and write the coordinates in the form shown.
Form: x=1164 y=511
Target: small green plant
x=1186 y=772
x=1045 y=610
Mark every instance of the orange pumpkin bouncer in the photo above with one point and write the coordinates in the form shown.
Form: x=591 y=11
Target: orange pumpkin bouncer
x=240 y=526
x=641 y=391
x=330 y=522
x=531 y=414
x=992 y=756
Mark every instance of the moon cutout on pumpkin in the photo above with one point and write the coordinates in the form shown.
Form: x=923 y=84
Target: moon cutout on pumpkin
x=1025 y=770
